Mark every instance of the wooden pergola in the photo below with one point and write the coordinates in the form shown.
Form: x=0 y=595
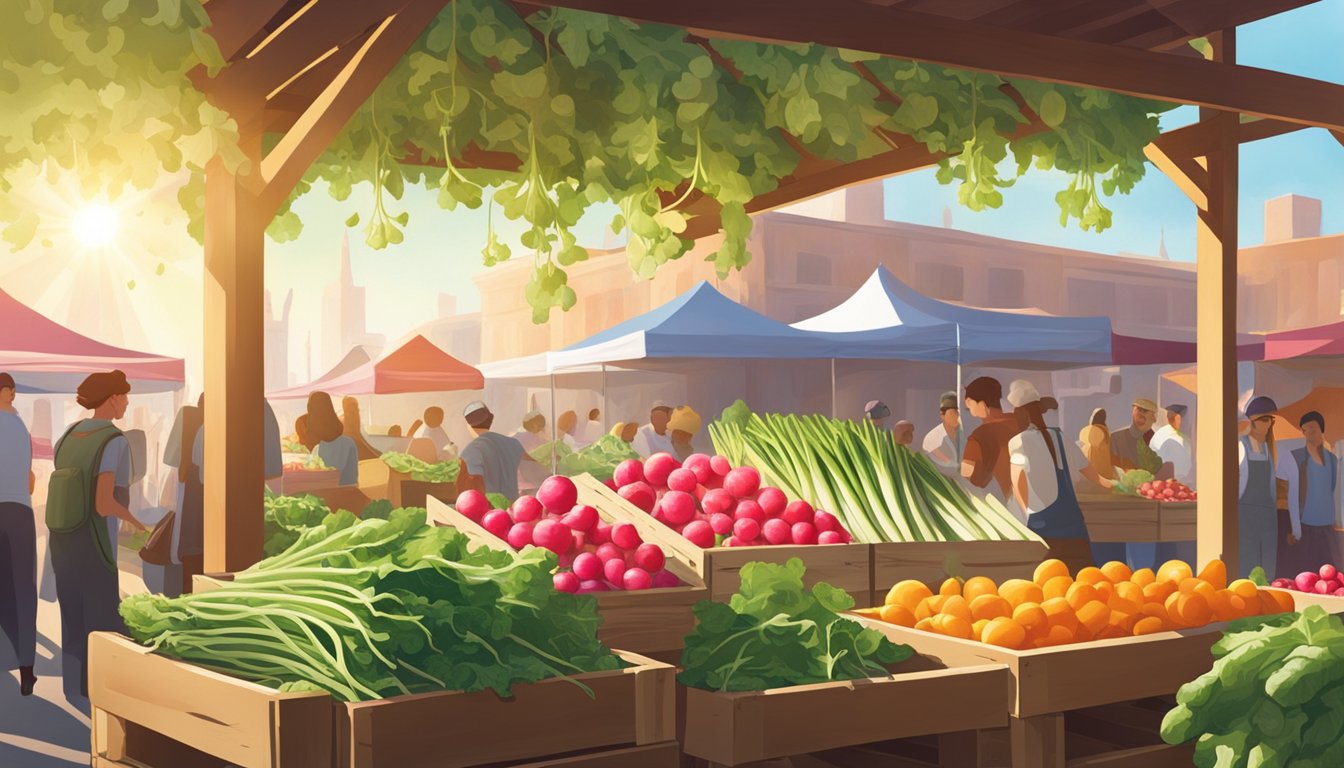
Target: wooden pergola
x=302 y=68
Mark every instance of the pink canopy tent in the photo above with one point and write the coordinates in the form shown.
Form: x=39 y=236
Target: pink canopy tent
x=45 y=357
x=1319 y=341
x=416 y=366
x=1133 y=350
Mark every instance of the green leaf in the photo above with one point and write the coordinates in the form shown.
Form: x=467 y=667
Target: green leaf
x=1053 y=108
x=353 y=221
x=159 y=269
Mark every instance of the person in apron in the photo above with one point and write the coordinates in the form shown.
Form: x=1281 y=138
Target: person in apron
x=1037 y=455
x=1257 y=508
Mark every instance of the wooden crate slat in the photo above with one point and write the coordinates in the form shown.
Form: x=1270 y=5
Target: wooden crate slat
x=1177 y=521
x=664 y=755
x=1121 y=518
x=1159 y=756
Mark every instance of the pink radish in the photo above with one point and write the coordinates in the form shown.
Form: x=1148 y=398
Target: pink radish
x=717 y=500
x=746 y=529
x=581 y=518
x=777 y=531
x=699 y=533
x=527 y=509
x=520 y=535
x=588 y=566
x=720 y=466
x=625 y=536
x=682 y=480
x=772 y=501
x=665 y=579
x=1324 y=587
x=627 y=472
x=553 y=535
x=742 y=482
x=608 y=552
x=650 y=557
x=593 y=585
x=721 y=524
x=799 y=512
x=732 y=541
x=658 y=467
x=699 y=465
x=614 y=571
x=601 y=533
x=825 y=521
x=640 y=494
x=1306 y=581
x=498 y=522
x=610 y=483
x=748 y=509
x=566 y=581
x=1283 y=583
x=678 y=507
x=1329 y=571
x=558 y=494
x=830 y=537
x=473 y=505
x=804 y=533
x=637 y=579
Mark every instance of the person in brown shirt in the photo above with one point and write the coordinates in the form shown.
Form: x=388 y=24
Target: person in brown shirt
x=986 y=458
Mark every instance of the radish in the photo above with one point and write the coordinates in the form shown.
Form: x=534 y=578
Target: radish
x=776 y=531
x=637 y=579
x=746 y=529
x=1283 y=584
x=1338 y=592
x=1324 y=587
x=498 y=522
x=527 y=509
x=699 y=492
x=581 y=518
x=593 y=585
x=799 y=512
x=682 y=480
x=601 y=533
x=716 y=501
x=830 y=537
x=625 y=536
x=608 y=552
x=553 y=535
x=772 y=501
x=804 y=533
x=699 y=465
x=520 y=535
x=678 y=507
x=720 y=466
x=640 y=494
x=742 y=482
x=473 y=505
x=614 y=571
x=1306 y=581
x=566 y=582
x=558 y=494
x=650 y=557
x=699 y=533
x=658 y=468
x=721 y=524
x=1329 y=571
x=749 y=509
x=588 y=566
x=665 y=579
x=825 y=521
x=732 y=541
x=627 y=472
x=610 y=482
x=658 y=513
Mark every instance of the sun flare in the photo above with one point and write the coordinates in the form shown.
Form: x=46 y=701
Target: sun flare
x=95 y=225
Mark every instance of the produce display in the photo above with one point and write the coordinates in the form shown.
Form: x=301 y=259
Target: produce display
x=711 y=503
x=1327 y=581
x=1275 y=696
x=1167 y=491
x=593 y=555
x=1127 y=483
x=880 y=491
x=375 y=608
x=1055 y=608
x=311 y=463
x=775 y=632
x=286 y=518
x=598 y=459
x=421 y=470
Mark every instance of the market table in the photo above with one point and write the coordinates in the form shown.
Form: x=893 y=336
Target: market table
x=1111 y=517
x=298 y=482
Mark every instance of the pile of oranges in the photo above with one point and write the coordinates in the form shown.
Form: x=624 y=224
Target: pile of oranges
x=1055 y=608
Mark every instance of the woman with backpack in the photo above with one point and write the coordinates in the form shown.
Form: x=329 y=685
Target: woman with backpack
x=91 y=483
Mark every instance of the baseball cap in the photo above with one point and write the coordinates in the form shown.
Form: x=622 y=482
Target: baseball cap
x=1261 y=406
x=1145 y=404
x=1179 y=410
x=1021 y=392
x=660 y=405
x=948 y=400
x=473 y=407
x=876 y=409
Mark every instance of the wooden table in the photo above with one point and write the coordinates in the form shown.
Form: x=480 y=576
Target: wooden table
x=1111 y=517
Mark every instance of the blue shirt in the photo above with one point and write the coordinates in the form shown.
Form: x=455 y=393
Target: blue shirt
x=495 y=458
x=342 y=455
x=116 y=456
x=1320 y=507
x=16 y=459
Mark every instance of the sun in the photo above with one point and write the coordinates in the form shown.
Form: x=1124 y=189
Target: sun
x=95 y=225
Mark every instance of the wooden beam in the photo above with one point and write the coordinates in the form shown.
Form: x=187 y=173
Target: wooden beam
x=1198 y=18
x=290 y=159
x=235 y=24
x=1184 y=172
x=1216 y=341
x=1195 y=139
x=1339 y=136
x=922 y=37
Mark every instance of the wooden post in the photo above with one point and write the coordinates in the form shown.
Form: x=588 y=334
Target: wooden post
x=1216 y=355
x=234 y=381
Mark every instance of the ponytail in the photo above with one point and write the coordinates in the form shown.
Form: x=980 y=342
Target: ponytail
x=1031 y=415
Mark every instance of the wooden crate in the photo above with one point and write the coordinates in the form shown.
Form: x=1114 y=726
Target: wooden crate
x=653 y=621
x=847 y=566
x=933 y=561
x=1120 y=518
x=922 y=697
x=402 y=491
x=299 y=483
x=1330 y=603
x=1177 y=520
x=156 y=712
x=347 y=497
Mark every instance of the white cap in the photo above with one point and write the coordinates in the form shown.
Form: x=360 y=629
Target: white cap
x=530 y=415
x=1021 y=392
x=659 y=404
x=473 y=407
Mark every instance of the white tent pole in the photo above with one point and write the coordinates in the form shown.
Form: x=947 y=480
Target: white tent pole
x=958 y=361
x=834 y=414
x=555 y=432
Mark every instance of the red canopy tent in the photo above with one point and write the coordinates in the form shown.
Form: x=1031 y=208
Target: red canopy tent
x=416 y=366
x=1318 y=341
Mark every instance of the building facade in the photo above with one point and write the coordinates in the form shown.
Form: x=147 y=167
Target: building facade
x=277 y=343
x=343 y=315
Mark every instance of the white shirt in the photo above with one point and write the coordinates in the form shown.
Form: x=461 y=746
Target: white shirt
x=1029 y=451
x=439 y=437
x=1261 y=454
x=648 y=442
x=1174 y=448
x=938 y=440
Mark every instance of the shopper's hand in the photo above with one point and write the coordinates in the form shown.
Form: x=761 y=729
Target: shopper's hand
x=1292 y=540
x=136 y=524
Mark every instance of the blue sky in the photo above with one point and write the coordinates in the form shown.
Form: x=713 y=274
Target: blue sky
x=441 y=252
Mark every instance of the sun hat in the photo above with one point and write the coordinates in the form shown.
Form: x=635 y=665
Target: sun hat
x=1261 y=406
x=1022 y=392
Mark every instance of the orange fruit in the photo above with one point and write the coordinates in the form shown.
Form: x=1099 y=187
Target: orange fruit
x=1172 y=604
x=1090 y=575
x=1158 y=591
x=1283 y=599
x=1005 y=633
x=1147 y=626
x=990 y=607
x=1215 y=573
x=1174 y=570
x=956 y=605
x=1156 y=611
x=1128 y=591
x=1243 y=588
x=898 y=614
x=1243 y=607
x=1019 y=591
x=1221 y=603
x=950 y=587
x=1080 y=594
x=1059 y=613
x=952 y=626
x=1118 y=603
x=908 y=593
x=1194 y=609
x=1058 y=636
x=1056 y=587
x=1094 y=615
x=1105 y=591
x=1111 y=632
x=871 y=613
x=978 y=628
x=1122 y=619
x=1032 y=618
x=929 y=606
x=1117 y=572
x=977 y=586
x=925 y=625
x=1143 y=577
x=1048 y=570
x=1083 y=635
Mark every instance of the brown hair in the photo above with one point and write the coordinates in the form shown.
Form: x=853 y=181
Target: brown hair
x=631 y=429
x=323 y=423
x=433 y=417
x=98 y=388
x=567 y=421
x=350 y=416
x=594 y=414
x=986 y=390
x=7 y=382
x=301 y=430
x=1031 y=415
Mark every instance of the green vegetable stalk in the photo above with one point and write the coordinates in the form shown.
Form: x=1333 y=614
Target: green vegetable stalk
x=420 y=470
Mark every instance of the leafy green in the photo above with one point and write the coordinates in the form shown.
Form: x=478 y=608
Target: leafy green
x=421 y=470
x=598 y=459
x=498 y=500
x=736 y=415
x=287 y=517
x=775 y=633
x=1127 y=483
x=375 y=608
x=1258 y=577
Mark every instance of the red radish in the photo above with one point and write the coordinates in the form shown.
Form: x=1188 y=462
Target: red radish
x=520 y=535
x=566 y=581
x=699 y=492
x=682 y=480
x=1324 y=587
x=799 y=512
x=772 y=501
x=732 y=541
x=746 y=529
x=558 y=494
x=625 y=536
x=1329 y=571
x=742 y=482
x=720 y=466
x=804 y=533
x=610 y=482
x=640 y=494
x=678 y=507
x=698 y=463
x=716 y=501
x=473 y=505
x=614 y=572
x=699 y=533
x=825 y=521
x=658 y=467
x=553 y=535
x=665 y=579
x=714 y=481
x=721 y=524
x=1338 y=592
x=749 y=509
x=527 y=509
x=1283 y=583
x=498 y=522
x=581 y=518
x=593 y=585
x=777 y=531
x=658 y=513
x=1306 y=581
x=650 y=557
x=830 y=537
x=637 y=579
x=588 y=566
x=627 y=472
x=608 y=552
x=580 y=540
x=601 y=533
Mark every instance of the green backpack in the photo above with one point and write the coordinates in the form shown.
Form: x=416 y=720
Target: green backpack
x=70 y=495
